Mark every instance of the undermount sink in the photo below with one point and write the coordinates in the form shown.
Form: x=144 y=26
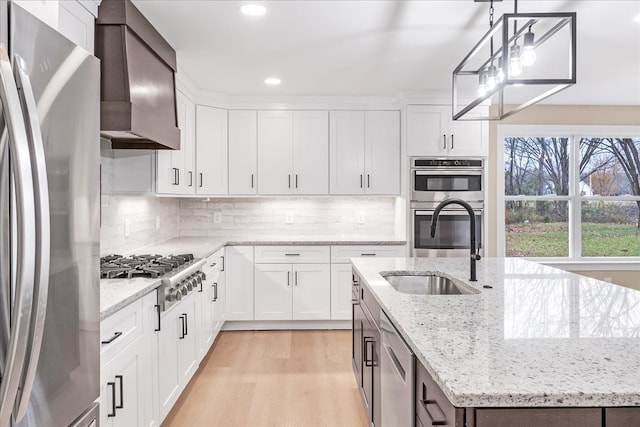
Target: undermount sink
x=426 y=284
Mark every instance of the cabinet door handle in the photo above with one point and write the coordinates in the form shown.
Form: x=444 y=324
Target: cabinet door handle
x=368 y=254
x=452 y=141
x=115 y=336
x=176 y=176
x=113 y=399
x=201 y=179
x=296 y=180
x=186 y=325
x=289 y=180
x=222 y=269
x=435 y=420
x=157 y=306
x=361 y=181
x=367 y=341
x=288 y=278
x=200 y=290
x=444 y=142
x=182 y=335
x=368 y=181
x=119 y=379
x=190 y=179
x=295 y=278
x=215 y=291
x=251 y=180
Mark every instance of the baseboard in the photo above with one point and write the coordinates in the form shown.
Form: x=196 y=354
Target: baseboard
x=264 y=325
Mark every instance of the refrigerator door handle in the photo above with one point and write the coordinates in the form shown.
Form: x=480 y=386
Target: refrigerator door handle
x=26 y=240
x=43 y=233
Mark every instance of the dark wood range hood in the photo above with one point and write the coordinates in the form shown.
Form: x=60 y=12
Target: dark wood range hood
x=137 y=84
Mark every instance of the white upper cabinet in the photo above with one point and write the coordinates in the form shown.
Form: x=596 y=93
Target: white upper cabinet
x=347 y=152
x=382 y=152
x=275 y=152
x=310 y=152
x=243 y=152
x=175 y=168
x=77 y=23
x=293 y=152
x=365 y=152
x=432 y=132
x=211 y=151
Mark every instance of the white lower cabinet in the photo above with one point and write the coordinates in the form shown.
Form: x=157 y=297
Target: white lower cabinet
x=127 y=369
x=123 y=390
x=210 y=304
x=340 y=291
x=292 y=292
x=177 y=352
x=238 y=269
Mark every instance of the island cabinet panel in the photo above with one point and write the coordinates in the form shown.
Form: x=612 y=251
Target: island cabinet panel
x=622 y=417
x=539 y=417
x=432 y=406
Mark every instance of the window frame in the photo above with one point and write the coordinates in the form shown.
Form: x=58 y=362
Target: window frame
x=574 y=133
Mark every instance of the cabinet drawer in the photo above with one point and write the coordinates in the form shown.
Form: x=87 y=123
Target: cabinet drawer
x=343 y=254
x=432 y=406
x=620 y=417
x=214 y=262
x=292 y=254
x=120 y=329
x=540 y=417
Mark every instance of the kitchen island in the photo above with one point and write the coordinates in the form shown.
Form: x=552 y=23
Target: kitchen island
x=540 y=337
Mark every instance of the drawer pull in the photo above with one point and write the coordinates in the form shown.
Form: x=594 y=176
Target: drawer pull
x=435 y=420
x=113 y=338
x=215 y=292
x=367 y=254
x=291 y=254
x=158 y=311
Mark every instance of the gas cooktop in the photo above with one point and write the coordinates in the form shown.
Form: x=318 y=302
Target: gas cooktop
x=152 y=266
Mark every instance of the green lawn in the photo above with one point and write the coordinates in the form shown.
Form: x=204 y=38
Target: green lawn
x=551 y=240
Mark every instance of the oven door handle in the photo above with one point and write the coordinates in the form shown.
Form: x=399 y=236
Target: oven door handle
x=439 y=172
x=449 y=212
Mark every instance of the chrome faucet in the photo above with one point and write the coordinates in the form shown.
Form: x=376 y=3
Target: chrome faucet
x=475 y=256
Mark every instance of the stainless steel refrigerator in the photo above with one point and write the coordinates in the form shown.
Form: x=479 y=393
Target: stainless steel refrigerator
x=49 y=226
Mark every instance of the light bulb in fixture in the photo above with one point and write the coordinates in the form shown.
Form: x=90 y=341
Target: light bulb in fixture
x=492 y=79
x=482 y=84
x=515 y=64
x=253 y=9
x=528 y=49
x=500 y=71
x=272 y=81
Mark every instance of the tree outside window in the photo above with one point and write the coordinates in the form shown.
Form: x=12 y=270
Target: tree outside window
x=547 y=178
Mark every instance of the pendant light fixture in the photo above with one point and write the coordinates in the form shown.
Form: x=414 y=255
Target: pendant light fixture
x=543 y=64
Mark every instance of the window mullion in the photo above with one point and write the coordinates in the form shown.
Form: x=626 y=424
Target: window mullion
x=575 y=210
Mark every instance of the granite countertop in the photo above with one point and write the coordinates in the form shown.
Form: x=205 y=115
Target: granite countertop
x=540 y=337
x=117 y=293
x=202 y=247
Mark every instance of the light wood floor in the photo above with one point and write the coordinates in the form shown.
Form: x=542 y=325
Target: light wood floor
x=273 y=378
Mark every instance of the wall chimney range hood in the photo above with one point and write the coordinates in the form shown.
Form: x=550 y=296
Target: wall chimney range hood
x=137 y=83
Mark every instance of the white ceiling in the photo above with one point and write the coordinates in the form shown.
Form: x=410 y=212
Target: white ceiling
x=381 y=48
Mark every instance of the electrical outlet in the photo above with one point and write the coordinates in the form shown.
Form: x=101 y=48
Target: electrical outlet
x=289 y=217
x=360 y=217
x=127 y=227
x=217 y=217
x=157 y=222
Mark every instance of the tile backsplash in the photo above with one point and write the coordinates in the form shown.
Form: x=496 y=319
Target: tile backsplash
x=288 y=217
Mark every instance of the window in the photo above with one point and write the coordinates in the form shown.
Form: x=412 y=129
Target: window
x=570 y=195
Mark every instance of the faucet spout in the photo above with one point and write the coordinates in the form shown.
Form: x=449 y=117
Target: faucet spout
x=472 y=221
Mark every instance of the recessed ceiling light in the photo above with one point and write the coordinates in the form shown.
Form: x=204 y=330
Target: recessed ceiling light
x=272 y=81
x=253 y=9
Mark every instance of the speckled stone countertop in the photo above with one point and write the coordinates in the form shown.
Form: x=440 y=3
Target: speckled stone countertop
x=118 y=293
x=202 y=247
x=540 y=337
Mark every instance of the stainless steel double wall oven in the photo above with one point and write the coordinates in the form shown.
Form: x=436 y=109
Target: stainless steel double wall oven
x=434 y=180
